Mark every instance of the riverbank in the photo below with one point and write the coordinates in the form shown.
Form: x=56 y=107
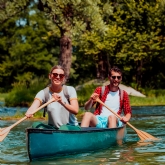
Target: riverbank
x=2 y=96
x=147 y=101
x=151 y=100
x=137 y=111
x=134 y=101
x=37 y=116
x=23 y=97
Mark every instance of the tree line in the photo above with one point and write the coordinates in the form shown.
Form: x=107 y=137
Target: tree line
x=87 y=37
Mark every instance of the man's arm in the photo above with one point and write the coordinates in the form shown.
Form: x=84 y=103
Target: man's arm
x=91 y=101
x=88 y=104
x=126 y=118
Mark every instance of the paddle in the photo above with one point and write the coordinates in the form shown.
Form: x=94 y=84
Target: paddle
x=4 y=131
x=142 y=135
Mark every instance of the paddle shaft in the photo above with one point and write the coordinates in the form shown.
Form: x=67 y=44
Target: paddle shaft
x=24 y=118
x=98 y=100
x=142 y=135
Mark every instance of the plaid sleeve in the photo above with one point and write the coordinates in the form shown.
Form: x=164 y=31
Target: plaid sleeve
x=98 y=90
x=126 y=104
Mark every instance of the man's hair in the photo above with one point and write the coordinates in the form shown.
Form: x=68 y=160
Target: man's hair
x=57 y=67
x=115 y=69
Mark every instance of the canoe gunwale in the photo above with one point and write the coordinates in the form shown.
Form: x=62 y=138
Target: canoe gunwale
x=83 y=130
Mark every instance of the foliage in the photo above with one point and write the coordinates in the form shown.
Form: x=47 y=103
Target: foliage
x=72 y=18
x=133 y=41
x=84 y=93
x=23 y=96
x=84 y=68
x=103 y=33
x=3 y=96
x=74 y=15
x=25 y=54
x=9 y=9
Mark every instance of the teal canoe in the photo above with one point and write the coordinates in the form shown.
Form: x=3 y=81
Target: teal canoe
x=44 y=143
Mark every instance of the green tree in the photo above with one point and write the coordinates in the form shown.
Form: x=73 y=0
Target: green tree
x=134 y=40
x=72 y=18
x=25 y=53
x=101 y=34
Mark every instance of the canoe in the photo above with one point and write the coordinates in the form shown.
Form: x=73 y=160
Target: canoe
x=44 y=143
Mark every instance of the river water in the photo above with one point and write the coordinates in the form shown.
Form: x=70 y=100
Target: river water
x=13 y=147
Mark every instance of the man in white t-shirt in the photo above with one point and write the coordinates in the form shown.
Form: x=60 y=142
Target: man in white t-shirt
x=102 y=117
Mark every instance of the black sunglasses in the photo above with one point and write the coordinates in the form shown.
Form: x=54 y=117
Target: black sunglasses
x=118 y=77
x=56 y=75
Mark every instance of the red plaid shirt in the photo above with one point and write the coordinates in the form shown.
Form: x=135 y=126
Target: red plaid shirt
x=124 y=103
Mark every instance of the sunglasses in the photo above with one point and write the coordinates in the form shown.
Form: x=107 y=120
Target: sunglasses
x=118 y=77
x=56 y=75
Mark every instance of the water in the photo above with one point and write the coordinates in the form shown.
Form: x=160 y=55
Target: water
x=13 y=147
x=11 y=111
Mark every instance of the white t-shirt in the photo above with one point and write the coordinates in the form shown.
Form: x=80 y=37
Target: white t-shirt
x=57 y=114
x=113 y=102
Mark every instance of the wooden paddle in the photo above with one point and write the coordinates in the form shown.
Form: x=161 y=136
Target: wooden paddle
x=142 y=135
x=4 y=131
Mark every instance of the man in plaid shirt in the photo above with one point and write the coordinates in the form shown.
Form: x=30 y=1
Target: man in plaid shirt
x=114 y=98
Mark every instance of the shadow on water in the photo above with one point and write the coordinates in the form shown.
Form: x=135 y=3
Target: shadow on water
x=13 y=147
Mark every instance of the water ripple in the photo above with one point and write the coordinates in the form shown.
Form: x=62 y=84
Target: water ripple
x=13 y=148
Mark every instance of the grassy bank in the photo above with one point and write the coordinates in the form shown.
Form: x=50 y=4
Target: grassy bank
x=2 y=96
x=147 y=101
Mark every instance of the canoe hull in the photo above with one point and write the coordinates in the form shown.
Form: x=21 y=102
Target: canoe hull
x=43 y=143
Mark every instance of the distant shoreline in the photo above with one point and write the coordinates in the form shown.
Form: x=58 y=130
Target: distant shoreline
x=137 y=111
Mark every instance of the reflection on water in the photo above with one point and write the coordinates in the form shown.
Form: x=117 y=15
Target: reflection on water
x=13 y=148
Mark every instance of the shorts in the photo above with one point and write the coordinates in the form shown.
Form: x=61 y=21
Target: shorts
x=102 y=122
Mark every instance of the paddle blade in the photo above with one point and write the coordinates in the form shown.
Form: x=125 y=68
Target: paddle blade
x=4 y=130
x=144 y=136
x=1 y=129
x=148 y=136
x=2 y=137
